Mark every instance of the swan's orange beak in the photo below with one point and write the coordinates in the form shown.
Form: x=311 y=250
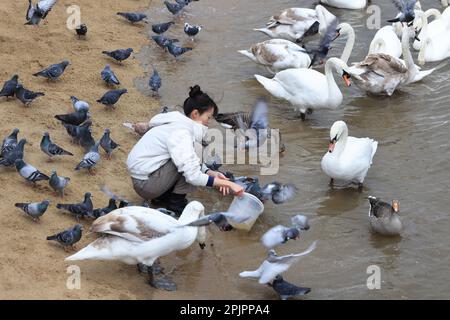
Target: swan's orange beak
x=346 y=78
x=331 y=146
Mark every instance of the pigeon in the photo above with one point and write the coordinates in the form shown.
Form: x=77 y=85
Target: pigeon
x=9 y=158
x=275 y=265
x=58 y=183
x=174 y=8
x=280 y=234
x=256 y=130
x=85 y=139
x=287 y=290
x=122 y=202
x=9 y=88
x=81 y=209
x=220 y=219
x=119 y=54
x=78 y=104
x=192 y=31
x=35 y=210
x=111 y=97
x=26 y=96
x=76 y=118
x=155 y=81
x=36 y=13
x=107 y=143
x=90 y=159
x=9 y=143
x=133 y=17
x=28 y=172
x=185 y=2
x=108 y=76
x=407 y=13
x=279 y=193
x=54 y=71
x=76 y=132
x=177 y=51
x=384 y=218
x=320 y=54
x=51 y=149
x=160 y=28
x=81 y=30
x=250 y=185
x=97 y=213
x=163 y=42
x=68 y=237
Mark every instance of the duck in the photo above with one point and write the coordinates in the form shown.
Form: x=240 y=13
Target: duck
x=298 y=24
x=348 y=158
x=139 y=235
x=384 y=218
x=386 y=41
x=277 y=55
x=308 y=89
x=346 y=4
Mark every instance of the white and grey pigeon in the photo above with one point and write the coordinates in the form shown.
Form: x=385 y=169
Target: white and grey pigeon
x=220 y=219
x=277 y=192
x=90 y=159
x=28 y=172
x=280 y=234
x=192 y=30
x=78 y=104
x=38 y=12
x=9 y=143
x=35 y=209
x=109 y=76
x=275 y=265
x=58 y=183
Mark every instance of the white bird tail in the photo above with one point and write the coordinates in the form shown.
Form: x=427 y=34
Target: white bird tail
x=274 y=87
x=248 y=54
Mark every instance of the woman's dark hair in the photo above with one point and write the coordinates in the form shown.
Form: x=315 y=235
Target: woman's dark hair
x=198 y=100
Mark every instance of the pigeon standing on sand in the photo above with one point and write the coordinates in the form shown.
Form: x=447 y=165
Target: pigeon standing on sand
x=107 y=143
x=177 y=51
x=280 y=234
x=76 y=118
x=9 y=88
x=26 y=96
x=78 y=104
x=163 y=42
x=160 y=28
x=76 y=132
x=9 y=158
x=279 y=193
x=90 y=159
x=54 y=71
x=51 y=149
x=174 y=8
x=69 y=237
x=97 y=213
x=108 y=76
x=81 y=209
x=155 y=81
x=111 y=97
x=35 y=210
x=9 y=143
x=192 y=31
x=28 y=172
x=58 y=183
x=287 y=290
x=81 y=30
x=119 y=54
x=133 y=17
x=36 y=13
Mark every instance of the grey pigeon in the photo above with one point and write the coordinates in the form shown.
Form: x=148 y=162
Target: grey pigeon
x=107 y=143
x=256 y=127
x=81 y=30
x=122 y=202
x=9 y=88
x=320 y=54
x=85 y=139
x=58 y=183
x=192 y=31
x=280 y=234
x=185 y=2
x=119 y=54
x=76 y=118
x=69 y=237
x=277 y=192
x=384 y=218
x=51 y=149
x=160 y=28
x=9 y=158
x=78 y=104
x=108 y=76
x=287 y=290
x=220 y=219
x=28 y=172
x=275 y=265
x=9 y=143
x=97 y=213
x=133 y=17
x=26 y=96
x=90 y=159
x=81 y=209
x=155 y=81
x=163 y=42
x=76 y=132
x=36 y=13
x=35 y=210
x=54 y=71
x=406 y=8
x=174 y=8
x=177 y=51
x=111 y=97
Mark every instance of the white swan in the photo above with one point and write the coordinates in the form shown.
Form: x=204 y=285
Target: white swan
x=277 y=55
x=438 y=25
x=345 y=4
x=307 y=88
x=138 y=235
x=292 y=24
x=386 y=41
x=347 y=158
x=445 y=3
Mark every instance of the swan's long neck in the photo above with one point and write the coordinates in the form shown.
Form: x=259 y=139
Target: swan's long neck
x=407 y=56
x=444 y=3
x=340 y=144
x=333 y=89
x=433 y=13
x=377 y=45
x=348 y=30
x=423 y=42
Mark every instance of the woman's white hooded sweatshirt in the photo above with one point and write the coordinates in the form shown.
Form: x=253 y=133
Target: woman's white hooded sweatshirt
x=173 y=136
